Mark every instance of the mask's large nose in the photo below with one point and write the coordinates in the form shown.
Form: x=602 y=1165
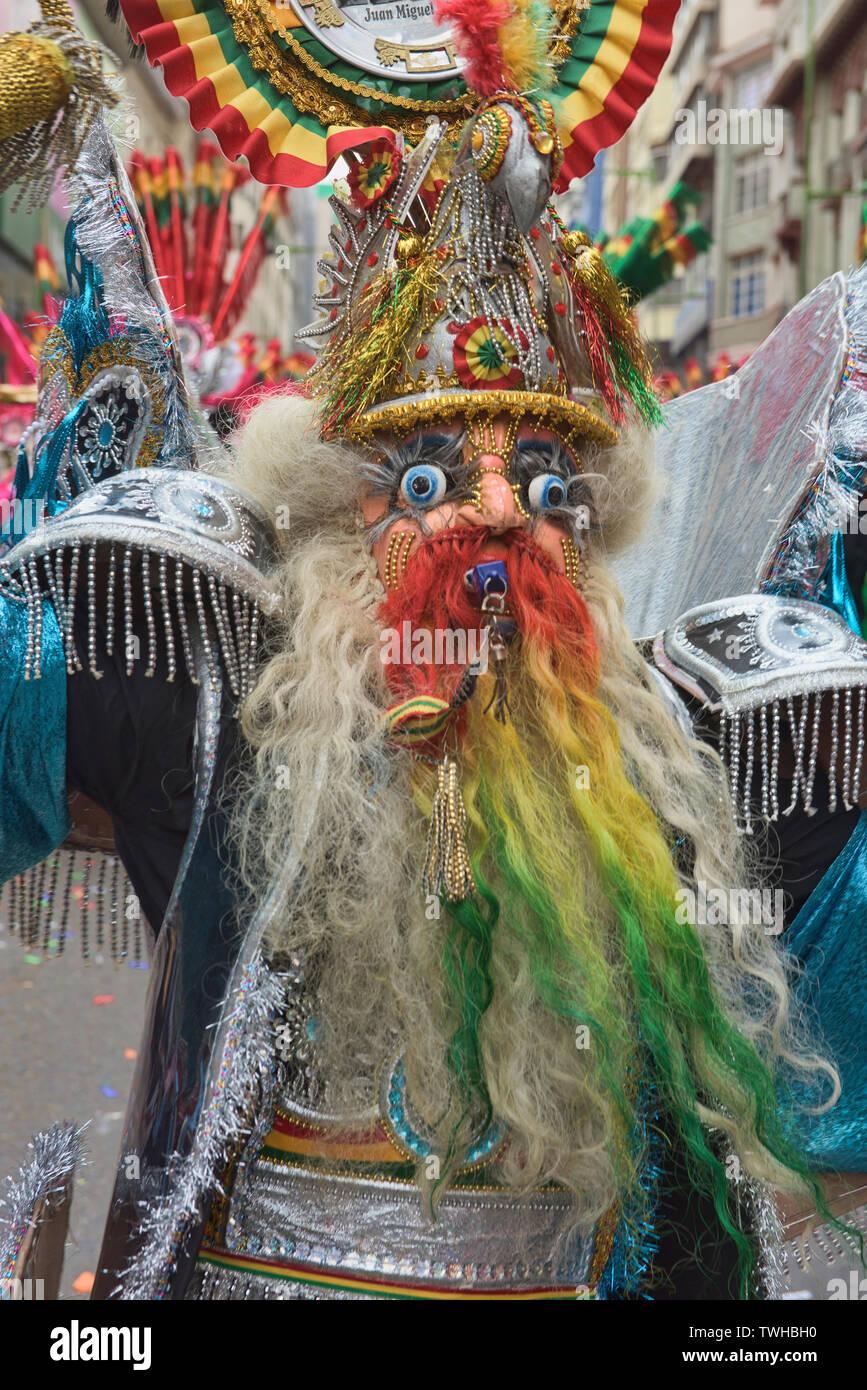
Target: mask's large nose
x=494 y=503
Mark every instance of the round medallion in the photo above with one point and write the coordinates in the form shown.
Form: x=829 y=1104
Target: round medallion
x=110 y=430
x=490 y=141
x=408 y=1132
x=373 y=175
x=396 y=39
x=484 y=357
x=199 y=505
x=809 y=635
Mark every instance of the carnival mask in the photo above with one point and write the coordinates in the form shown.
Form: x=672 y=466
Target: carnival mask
x=505 y=476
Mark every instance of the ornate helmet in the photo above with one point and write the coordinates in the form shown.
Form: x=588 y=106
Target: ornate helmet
x=453 y=288
x=449 y=287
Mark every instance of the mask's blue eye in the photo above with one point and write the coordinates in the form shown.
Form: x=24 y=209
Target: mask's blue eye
x=423 y=485
x=546 y=492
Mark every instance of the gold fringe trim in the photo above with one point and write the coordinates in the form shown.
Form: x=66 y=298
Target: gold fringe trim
x=567 y=418
x=447 y=870
x=362 y=365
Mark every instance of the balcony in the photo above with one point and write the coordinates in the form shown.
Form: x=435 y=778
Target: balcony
x=693 y=165
x=692 y=319
x=689 y=15
x=833 y=21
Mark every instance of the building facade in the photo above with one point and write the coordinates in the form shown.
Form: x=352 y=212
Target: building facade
x=762 y=111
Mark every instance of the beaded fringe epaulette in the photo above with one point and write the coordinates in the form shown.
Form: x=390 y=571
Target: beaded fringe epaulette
x=226 y=621
x=162 y=556
x=75 y=893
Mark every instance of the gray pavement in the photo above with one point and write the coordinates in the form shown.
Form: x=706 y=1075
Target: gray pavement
x=64 y=1057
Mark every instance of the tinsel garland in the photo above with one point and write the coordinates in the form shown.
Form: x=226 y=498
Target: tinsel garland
x=628 y=1268
x=763 y=1216
x=363 y=365
x=106 y=236
x=243 y=1078
x=57 y=1152
x=619 y=361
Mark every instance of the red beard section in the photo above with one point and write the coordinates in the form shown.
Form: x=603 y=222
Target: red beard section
x=551 y=617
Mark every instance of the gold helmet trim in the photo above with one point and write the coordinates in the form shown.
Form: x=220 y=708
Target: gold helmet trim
x=564 y=417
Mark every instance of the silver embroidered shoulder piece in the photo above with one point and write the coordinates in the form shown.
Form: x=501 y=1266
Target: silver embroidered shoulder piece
x=183 y=547
x=772 y=668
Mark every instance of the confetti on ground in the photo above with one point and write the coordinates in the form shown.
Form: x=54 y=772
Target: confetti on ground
x=32 y=960
x=130 y=1054
x=84 y=1282
x=102 y=999
x=26 y=984
x=109 y=1092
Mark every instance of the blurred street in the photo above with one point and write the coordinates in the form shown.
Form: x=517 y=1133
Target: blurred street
x=66 y=1056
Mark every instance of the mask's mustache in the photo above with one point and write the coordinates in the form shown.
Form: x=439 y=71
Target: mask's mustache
x=442 y=563
x=467 y=545
x=432 y=595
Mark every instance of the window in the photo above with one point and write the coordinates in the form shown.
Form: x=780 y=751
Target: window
x=751 y=85
x=752 y=182
x=659 y=160
x=748 y=284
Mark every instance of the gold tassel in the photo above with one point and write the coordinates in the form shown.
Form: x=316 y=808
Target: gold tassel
x=590 y=269
x=447 y=870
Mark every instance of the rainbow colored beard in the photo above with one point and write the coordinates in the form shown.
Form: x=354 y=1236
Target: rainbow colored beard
x=577 y=891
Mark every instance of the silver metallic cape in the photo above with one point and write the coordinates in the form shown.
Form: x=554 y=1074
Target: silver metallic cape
x=738 y=458
x=835 y=501
x=239 y=1076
